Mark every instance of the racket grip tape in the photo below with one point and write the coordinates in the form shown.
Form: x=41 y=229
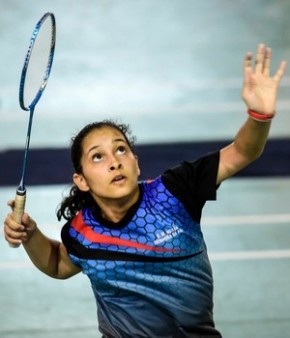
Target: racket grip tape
x=18 y=210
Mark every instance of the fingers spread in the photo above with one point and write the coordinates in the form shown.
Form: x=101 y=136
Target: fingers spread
x=280 y=72
x=260 y=58
x=247 y=67
x=248 y=61
x=267 y=61
x=263 y=60
x=263 y=63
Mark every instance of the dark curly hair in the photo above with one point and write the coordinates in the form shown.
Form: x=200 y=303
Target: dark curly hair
x=78 y=199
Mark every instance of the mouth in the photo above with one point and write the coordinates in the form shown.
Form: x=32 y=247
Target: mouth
x=118 y=179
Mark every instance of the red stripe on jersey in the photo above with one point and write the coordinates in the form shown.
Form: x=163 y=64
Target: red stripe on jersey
x=81 y=227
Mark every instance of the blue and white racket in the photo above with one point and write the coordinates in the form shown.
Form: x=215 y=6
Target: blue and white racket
x=33 y=81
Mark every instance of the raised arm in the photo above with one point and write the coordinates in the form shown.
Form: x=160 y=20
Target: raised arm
x=259 y=94
x=48 y=255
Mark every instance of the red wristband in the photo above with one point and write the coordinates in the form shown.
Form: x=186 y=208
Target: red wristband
x=260 y=117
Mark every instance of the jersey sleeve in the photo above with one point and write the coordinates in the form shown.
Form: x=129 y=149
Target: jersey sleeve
x=194 y=183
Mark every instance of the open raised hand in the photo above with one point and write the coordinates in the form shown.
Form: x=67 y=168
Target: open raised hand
x=259 y=88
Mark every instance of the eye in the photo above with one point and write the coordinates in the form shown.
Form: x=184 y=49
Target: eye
x=97 y=157
x=121 y=150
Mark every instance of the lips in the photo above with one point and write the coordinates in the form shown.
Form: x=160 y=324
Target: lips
x=118 y=178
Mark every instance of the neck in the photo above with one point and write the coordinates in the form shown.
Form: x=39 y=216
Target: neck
x=114 y=210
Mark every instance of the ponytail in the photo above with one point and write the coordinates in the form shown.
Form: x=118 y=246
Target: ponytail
x=72 y=204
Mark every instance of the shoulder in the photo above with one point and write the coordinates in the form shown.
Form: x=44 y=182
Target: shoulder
x=192 y=170
x=194 y=182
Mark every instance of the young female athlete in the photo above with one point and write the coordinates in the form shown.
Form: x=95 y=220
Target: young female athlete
x=140 y=243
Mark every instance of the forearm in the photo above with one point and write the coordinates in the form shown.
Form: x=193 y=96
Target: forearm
x=251 y=139
x=247 y=146
x=48 y=255
x=43 y=252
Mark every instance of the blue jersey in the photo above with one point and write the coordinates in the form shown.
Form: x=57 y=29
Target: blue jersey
x=150 y=274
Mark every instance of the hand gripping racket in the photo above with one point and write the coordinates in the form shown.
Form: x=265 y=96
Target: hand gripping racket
x=33 y=81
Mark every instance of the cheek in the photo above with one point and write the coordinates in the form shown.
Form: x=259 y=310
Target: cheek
x=135 y=173
x=137 y=168
x=94 y=176
x=133 y=164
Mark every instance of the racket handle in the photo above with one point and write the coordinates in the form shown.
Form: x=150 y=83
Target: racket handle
x=19 y=205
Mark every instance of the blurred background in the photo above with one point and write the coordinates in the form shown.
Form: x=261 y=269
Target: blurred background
x=172 y=69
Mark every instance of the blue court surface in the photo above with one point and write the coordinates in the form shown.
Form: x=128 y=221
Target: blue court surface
x=172 y=69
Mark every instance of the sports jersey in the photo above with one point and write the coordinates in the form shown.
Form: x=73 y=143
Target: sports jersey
x=150 y=273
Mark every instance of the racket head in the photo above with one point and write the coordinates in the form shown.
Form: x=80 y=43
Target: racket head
x=38 y=62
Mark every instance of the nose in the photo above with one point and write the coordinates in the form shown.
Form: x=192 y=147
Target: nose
x=115 y=166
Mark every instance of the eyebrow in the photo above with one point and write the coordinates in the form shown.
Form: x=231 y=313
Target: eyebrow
x=114 y=141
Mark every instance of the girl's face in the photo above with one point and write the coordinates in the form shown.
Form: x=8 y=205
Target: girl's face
x=109 y=168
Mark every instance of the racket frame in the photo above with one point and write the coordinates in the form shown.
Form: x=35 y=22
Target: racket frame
x=27 y=59
x=20 y=198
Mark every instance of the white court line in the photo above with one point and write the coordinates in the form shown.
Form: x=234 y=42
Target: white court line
x=243 y=221
x=246 y=220
x=214 y=256
x=249 y=255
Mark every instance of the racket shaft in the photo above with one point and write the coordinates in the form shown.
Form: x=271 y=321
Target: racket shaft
x=18 y=210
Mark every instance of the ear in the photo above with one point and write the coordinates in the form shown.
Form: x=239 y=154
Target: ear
x=137 y=165
x=80 y=182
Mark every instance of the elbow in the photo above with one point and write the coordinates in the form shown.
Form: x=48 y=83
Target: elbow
x=58 y=275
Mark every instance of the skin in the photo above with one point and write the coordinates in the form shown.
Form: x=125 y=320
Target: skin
x=110 y=172
x=110 y=169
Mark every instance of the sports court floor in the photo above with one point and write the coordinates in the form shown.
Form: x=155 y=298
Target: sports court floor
x=172 y=69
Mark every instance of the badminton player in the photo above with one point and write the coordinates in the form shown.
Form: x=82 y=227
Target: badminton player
x=140 y=243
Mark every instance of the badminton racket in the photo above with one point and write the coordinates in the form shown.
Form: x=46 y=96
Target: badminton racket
x=34 y=76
